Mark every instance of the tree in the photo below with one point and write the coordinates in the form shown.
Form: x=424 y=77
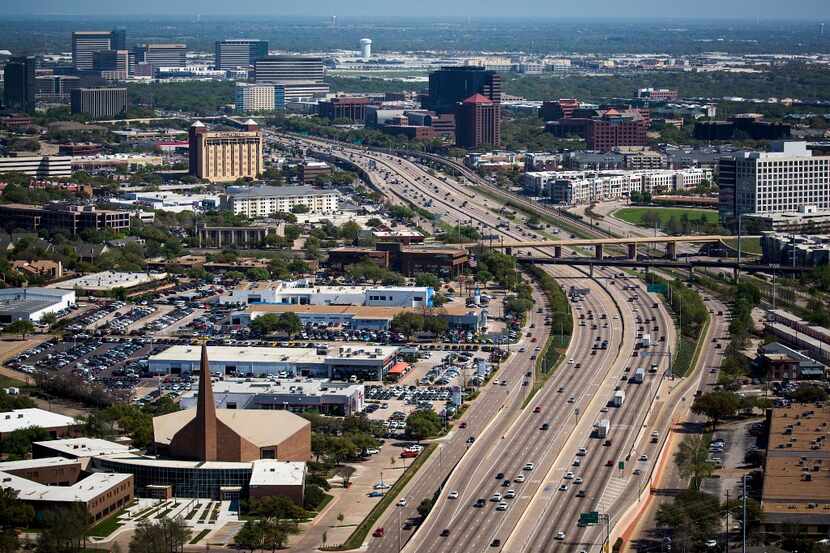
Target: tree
x=64 y=529
x=49 y=319
x=349 y=231
x=345 y=472
x=160 y=536
x=428 y=279
x=692 y=459
x=693 y=516
x=258 y=273
x=18 y=443
x=299 y=209
x=275 y=533
x=13 y=514
x=423 y=424
x=716 y=406
x=22 y=327
x=289 y=323
x=313 y=497
x=407 y=323
x=807 y=393
x=250 y=536
x=424 y=507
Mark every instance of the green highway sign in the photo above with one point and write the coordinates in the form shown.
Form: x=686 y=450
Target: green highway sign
x=657 y=288
x=621 y=465
x=588 y=518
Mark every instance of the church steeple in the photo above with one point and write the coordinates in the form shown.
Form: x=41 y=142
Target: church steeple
x=206 y=413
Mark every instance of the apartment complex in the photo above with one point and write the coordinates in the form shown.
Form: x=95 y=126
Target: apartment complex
x=99 y=103
x=276 y=69
x=784 y=180
x=581 y=187
x=38 y=166
x=222 y=156
x=72 y=218
x=232 y=54
x=263 y=201
x=251 y=98
x=161 y=55
x=19 y=83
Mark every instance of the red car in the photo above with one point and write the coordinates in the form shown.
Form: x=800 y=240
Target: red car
x=406 y=454
x=463 y=425
x=378 y=533
x=537 y=409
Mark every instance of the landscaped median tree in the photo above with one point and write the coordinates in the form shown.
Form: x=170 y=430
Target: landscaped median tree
x=160 y=536
x=716 y=406
x=692 y=459
x=693 y=517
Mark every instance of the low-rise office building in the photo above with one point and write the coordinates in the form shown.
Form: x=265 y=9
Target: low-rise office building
x=295 y=394
x=795 y=495
x=251 y=236
x=71 y=218
x=409 y=260
x=99 y=103
x=107 y=281
x=367 y=362
x=801 y=250
x=780 y=362
x=43 y=167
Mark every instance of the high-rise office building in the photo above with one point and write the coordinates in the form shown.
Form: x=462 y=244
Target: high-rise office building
x=85 y=44
x=113 y=64
x=230 y=54
x=275 y=69
x=222 y=156
x=56 y=88
x=450 y=85
x=161 y=55
x=19 y=83
x=119 y=39
x=785 y=180
x=99 y=103
x=478 y=122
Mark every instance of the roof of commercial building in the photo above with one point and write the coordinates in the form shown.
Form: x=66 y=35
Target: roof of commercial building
x=245 y=354
x=26 y=307
x=108 y=280
x=279 y=192
x=273 y=385
x=798 y=447
x=89 y=488
x=358 y=311
x=271 y=472
x=36 y=463
x=84 y=447
x=25 y=418
x=260 y=427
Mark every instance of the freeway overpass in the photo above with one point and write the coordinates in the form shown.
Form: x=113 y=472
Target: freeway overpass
x=599 y=244
x=689 y=264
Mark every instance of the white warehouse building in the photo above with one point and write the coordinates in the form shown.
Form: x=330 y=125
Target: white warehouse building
x=31 y=304
x=263 y=201
x=340 y=363
x=304 y=292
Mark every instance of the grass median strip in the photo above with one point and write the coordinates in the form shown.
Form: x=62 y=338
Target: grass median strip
x=356 y=539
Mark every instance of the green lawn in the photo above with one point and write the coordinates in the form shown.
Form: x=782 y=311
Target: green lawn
x=637 y=215
x=107 y=526
x=750 y=246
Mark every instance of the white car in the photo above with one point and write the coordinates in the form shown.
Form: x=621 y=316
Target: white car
x=637 y=472
x=560 y=535
x=568 y=476
x=510 y=494
x=372 y=451
x=452 y=495
x=519 y=478
x=563 y=487
x=381 y=486
x=502 y=506
x=572 y=399
x=528 y=466
x=582 y=452
x=402 y=502
x=577 y=480
x=644 y=457
x=571 y=362
x=496 y=497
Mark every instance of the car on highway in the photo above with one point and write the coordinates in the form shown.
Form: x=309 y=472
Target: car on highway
x=500 y=476
x=452 y=495
x=445 y=532
x=505 y=483
x=519 y=478
x=577 y=462
x=578 y=480
x=644 y=457
x=637 y=472
x=402 y=502
x=561 y=389
x=545 y=426
x=563 y=487
x=568 y=475
x=378 y=533
x=502 y=506
x=463 y=424
x=537 y=409
x=572 y=399
x=480 y=502
x=510 y=494
x=528 y=466
x=580 y=493
x=582 y=452
x=495 y=543
x=496 y=497
x=560 y=535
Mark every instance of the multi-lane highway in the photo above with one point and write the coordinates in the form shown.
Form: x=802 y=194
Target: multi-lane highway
x=587 y=383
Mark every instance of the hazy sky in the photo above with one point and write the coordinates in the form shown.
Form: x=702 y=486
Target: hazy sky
x=744 y=9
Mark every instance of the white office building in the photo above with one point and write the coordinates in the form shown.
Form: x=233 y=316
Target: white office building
x=305 y=292
x=784 y=180
x=264 y=201
x=38 y=166
x=251 y=98
x=31 y=304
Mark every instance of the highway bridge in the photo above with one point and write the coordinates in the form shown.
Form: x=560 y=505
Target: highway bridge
x=688 y=264
x=599 y=244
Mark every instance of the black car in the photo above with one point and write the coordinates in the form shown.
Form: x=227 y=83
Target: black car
x=480 y=503
x=495 y=543
x=500 y=476
x=445 y=532
x=505 y=484
x=545 y=426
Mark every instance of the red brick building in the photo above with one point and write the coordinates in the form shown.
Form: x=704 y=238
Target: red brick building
x=478 y=122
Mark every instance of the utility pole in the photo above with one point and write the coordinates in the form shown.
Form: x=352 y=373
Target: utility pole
x=743 y=526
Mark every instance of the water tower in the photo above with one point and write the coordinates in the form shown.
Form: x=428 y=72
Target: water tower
x=365 y=48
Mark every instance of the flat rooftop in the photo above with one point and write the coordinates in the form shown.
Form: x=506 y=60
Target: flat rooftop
x=108 y=280
x=24 y=418
x=797 y=470
x=271 y=472
x=44 y=462
x=242 y=355
x=298 y=386
x=358 y=311
x=15 y=307
x=279 y=192
x=84 y=490
x=84 y=447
